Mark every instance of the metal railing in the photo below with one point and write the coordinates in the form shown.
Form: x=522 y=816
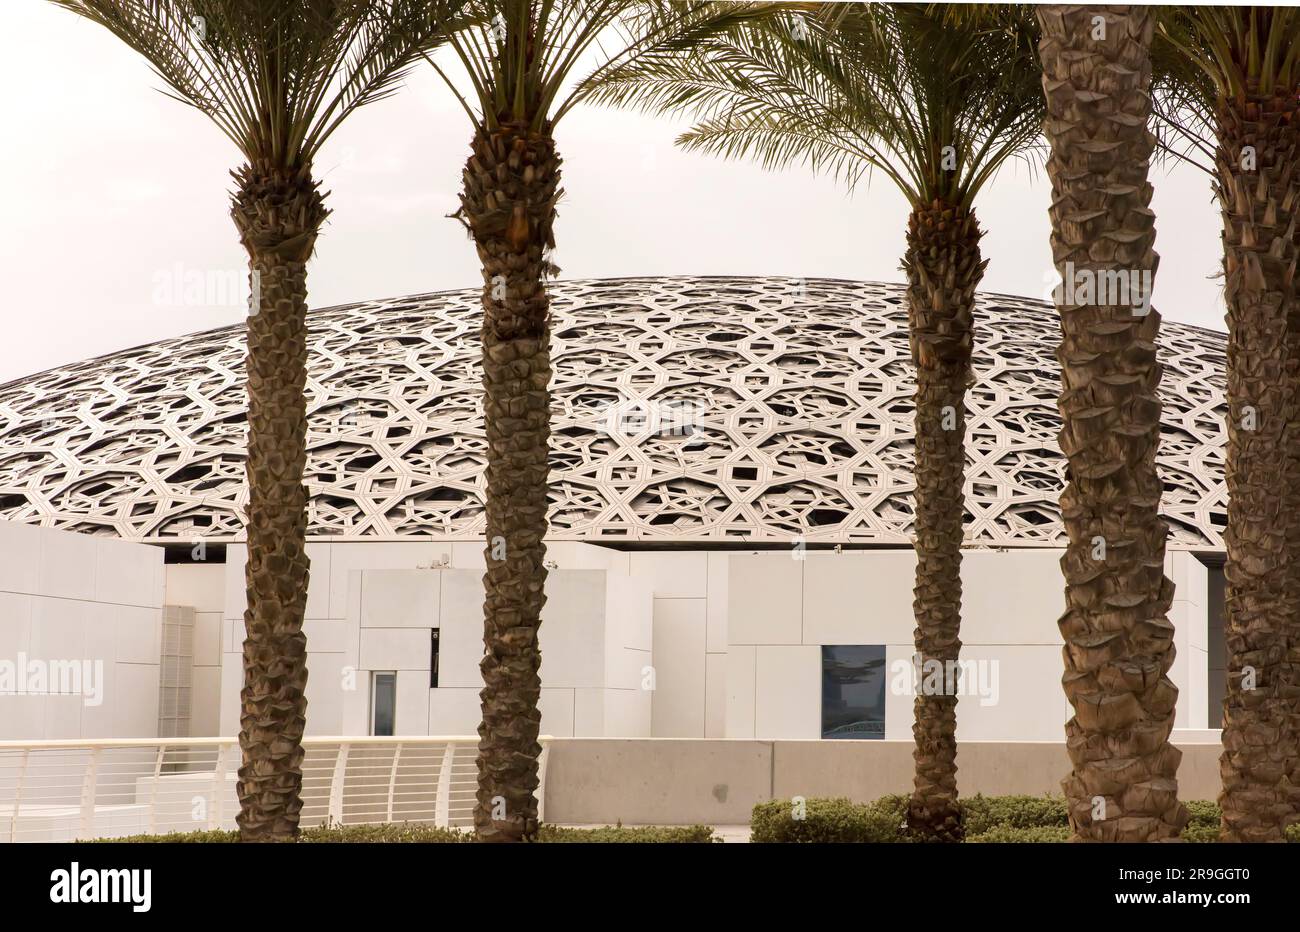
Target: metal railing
x=109 y=788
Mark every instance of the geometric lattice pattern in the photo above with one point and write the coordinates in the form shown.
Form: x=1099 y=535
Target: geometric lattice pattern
x=686 y=410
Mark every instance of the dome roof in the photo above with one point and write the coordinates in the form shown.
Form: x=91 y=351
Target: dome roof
x=689 y=410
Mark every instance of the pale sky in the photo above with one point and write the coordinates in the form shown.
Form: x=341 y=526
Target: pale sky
x=116 y=197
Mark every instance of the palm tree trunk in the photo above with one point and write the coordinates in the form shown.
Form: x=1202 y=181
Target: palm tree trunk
x=511 y=186
x=1290 y=674
x=1118 y=640
x=278 y=216
x=1291 y=668
x=1259 y=203
x=943 y=269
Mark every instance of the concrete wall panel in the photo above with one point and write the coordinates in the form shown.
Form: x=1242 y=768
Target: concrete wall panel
x=655 y=781
x=680 y=781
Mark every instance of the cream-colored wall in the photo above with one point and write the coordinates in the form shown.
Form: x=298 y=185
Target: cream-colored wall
x=693 y=781
x=370 y=607
x=1190 y=616
x=72 y=597
x=733 y=638
x=595 y=642
x=782 y=609
x=201 y=586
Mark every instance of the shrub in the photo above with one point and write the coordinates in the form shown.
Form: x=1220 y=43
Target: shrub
x=386 y=833
x=988 y=819
x=824 y=821
x=1204 y=824
x=895 y=807
x=1203 y=813
x=216 y=837
x=414 y=833
x=1011 y=834
x=1197 y=833
x=407 y=833
x=983 y=813
x=1292 y=833
x=619 y=834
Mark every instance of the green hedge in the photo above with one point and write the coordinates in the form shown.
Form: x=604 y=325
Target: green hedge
x=985 y=813
x=1204 y=824
x=995 y=818
x=825 y=821
x=620 y=834
x=1011 y=834
x=389 y=833
x=988 y=819
x=410 y=833
x=404 y=833
x=179 y=838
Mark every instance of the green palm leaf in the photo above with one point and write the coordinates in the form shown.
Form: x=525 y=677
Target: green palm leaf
x=937 y=104
x=1205 y=58
x=276 y=76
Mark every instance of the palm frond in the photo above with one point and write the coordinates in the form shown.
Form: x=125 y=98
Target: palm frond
x=277 y=76
x=1182 y=96
x=781 y=93
x=521 y=56
x=937 y=103
x=1206 y=58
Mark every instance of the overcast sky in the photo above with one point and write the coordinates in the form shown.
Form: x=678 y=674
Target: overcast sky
x=115 y=199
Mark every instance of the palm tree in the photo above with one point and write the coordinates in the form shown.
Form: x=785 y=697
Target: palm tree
x=936 y=105
x=277 y=77
x=1118 y=640
x=1237 y=92
x=520 y=58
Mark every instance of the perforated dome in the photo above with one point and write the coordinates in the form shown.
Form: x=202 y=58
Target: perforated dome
x=689 y=410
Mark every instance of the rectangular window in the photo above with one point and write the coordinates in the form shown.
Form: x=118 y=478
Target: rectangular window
x=433 y=658
x=383 y=703
x=853 y=691
x=176 y=671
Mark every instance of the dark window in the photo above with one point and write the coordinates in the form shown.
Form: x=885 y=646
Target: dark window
x=853 y=691
x=433 y=659
x=383 y=703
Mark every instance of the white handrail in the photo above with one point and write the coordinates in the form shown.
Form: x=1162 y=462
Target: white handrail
x=217 y=808
x=337 y=783
x=47 y=743
x=442 y=812
x=88 y=785
x=18 y=795
x=66 y=789
x=392 y=780
x=157 y=775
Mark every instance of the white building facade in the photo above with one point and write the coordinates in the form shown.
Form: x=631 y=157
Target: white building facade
x=673 y=644
x=730 y=517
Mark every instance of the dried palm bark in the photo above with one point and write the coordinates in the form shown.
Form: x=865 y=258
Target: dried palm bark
x=511 y=186
x=943 y=270
x=1259 y=195
x=1118 y=639
x=278 y=216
